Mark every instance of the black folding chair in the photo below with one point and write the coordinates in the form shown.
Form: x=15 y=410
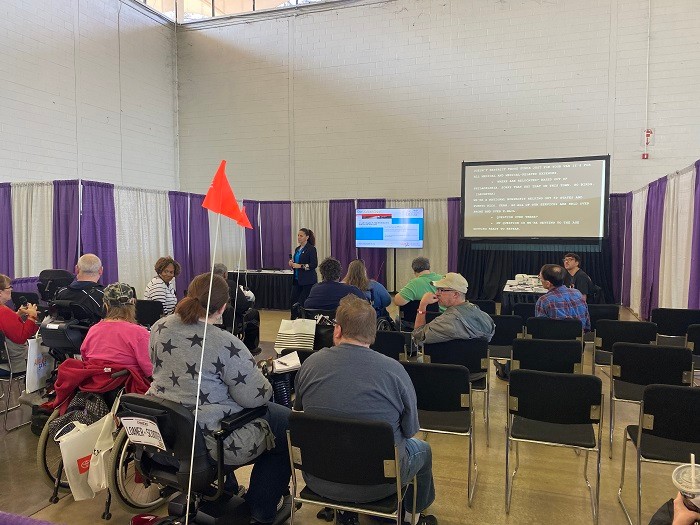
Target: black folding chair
x=608 y=332
x=486 y=305
x=547 y=355
x=390 y=344
x=148 y=312
x=555 y=409
x=597 y=312
x=508 y=328
x=674 y=322
x=335 y=450
x=524 y=310
x=692 y=341
x=668 y=431
x=634 y=366
x=561 y=329
x=444 y=406
x=472 y=354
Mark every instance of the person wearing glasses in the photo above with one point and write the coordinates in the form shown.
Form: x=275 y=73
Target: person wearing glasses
x=575 y=277
x=17 y=327
x=460 y=320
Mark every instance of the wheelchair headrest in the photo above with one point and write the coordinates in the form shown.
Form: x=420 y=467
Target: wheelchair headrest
x=50 y=281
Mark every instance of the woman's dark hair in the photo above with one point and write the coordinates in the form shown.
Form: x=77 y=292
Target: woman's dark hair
x=310 y=234
x=193 y=307
x=163 y=262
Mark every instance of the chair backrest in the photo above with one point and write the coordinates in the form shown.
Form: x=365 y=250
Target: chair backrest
x=546 y=328
x=673 y=411
x=336 y=450
x=486 y=305
x=674 y=321
x=569 y=399
x=603 y=311
x=175 y=423
x=51 y=281
x=508 y=327
x=311 y=313
x=148 y=312
x=547 y=355
x=440 y=388
x=4 y=356
x=407 y=312
x=524 y=310
x=652 y=364
x=469 y=353
x=608 y=332
x=693 y=338
x=390 y=344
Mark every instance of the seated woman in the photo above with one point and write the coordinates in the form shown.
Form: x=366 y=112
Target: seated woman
x=17 y=327
x=162 y=287
x=230 y=382
x=117 y=338
x=376 y=294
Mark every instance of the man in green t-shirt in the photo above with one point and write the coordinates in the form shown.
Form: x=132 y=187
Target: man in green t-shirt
x=417 y=287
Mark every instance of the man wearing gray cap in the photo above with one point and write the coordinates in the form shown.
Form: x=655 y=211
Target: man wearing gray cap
x=460 y=320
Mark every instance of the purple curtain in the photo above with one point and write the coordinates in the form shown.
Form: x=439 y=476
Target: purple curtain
x=454 y=214
x=618 y=214
x=66 y=215
x=98 y=227
x=276 y=233
x=375 y=258
x=627 y=255
x=651 y=259
x=179 y=225
x=200 y=253
x=7 y=250
x=341 y=214
x=694 y=292
x=252 y=237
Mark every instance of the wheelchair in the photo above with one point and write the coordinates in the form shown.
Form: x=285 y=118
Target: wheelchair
x=142 y=477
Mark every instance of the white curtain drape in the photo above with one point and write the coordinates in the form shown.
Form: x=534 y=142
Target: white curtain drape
x=676 y=239
x=143 y=233
x=230 y=248
x=639 y=207
x=32 y=227
x=435 y=239
x=314 y=216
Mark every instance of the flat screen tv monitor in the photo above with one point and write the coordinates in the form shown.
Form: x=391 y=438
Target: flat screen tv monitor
x=559 y=198
x=389 y=228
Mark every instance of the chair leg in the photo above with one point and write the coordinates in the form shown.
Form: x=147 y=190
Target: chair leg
x=594 y=508
x=487 y=403
x=622 y=482
x=639 y=488
x=597 y=484
x=8 y=408
x=508 y=481
x=471 y=485
x=612 y=426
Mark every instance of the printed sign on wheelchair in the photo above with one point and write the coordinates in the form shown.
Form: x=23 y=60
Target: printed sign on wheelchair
x=142 y=431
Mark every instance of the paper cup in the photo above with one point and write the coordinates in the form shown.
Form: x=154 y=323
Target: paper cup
x=683 y=480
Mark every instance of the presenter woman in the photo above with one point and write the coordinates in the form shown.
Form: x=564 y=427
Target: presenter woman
x=304 y=263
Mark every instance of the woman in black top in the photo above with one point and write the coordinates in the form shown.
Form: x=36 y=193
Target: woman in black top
x=303 y=262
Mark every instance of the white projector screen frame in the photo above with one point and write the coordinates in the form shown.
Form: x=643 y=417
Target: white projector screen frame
x=540 y=174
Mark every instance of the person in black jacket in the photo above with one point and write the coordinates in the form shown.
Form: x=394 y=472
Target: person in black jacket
x=304 y=263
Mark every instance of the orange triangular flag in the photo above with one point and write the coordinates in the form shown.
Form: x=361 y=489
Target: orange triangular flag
x=243 y=220
x=220 y=197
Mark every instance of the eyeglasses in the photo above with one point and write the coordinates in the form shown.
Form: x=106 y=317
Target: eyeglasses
x=443 y=290
x=8 y=288
x=568 y=259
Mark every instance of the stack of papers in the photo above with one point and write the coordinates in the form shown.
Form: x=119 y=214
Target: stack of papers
x=288 y=363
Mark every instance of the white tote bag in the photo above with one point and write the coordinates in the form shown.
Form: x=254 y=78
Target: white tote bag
x=101 y=451
x=296 y=334
x=76 y=451
x=39 y=365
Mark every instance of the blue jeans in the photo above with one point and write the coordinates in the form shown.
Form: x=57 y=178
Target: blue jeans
x=269 y=480
x=419 y=463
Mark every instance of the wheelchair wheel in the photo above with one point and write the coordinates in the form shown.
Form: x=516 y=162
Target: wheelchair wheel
x=48 y=456
x=131 y=492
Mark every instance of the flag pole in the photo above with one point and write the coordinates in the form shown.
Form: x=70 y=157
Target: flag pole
x=199 y=377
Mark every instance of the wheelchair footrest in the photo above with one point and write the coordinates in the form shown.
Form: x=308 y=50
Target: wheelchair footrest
x=224 y=511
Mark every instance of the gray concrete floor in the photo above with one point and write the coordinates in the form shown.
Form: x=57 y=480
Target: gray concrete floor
x=549 y=487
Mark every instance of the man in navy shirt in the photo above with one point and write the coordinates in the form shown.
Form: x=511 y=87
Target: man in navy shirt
x=327 y=294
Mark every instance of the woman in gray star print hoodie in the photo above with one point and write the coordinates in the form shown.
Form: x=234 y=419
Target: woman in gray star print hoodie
x=231 y=380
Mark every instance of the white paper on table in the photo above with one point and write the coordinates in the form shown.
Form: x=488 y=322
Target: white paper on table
x=288 y=363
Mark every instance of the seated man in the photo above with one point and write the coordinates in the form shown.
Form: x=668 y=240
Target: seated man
x=327 y=294
x=417 y=287
x=560 y=302
x=239 y=316
x=576 y=278
x=327 y=384
x=85 y=290
x=460 y=320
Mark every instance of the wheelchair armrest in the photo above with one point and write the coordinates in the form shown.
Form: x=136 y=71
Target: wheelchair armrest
x=242 y=418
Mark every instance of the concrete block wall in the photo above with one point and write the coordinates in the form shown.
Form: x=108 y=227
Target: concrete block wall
x=88 y=90
x=370 y=99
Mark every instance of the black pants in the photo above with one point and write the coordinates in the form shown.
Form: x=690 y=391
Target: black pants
x=299 y=295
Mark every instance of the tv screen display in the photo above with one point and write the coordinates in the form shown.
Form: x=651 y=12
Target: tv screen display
x=389 y=228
